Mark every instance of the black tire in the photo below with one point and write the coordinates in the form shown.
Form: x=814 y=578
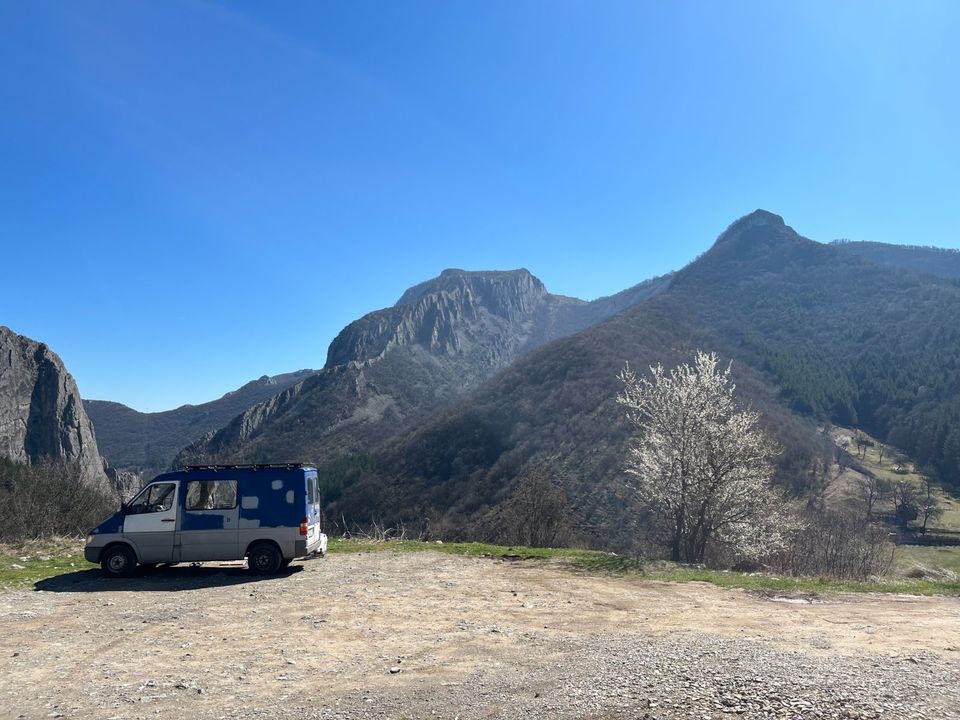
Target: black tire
x=118 y=561
x=264 y=559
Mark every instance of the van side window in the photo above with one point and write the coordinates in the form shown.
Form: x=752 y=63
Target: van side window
x=154 y=498
x=313 y=494
x=211 y=494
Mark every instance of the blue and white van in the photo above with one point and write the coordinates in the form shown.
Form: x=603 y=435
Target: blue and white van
x=269 y=514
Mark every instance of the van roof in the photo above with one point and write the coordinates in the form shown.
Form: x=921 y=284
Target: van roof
x=258 y=466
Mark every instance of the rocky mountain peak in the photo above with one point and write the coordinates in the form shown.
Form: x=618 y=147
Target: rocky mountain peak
x=503 y=291
x=438 y=313
x=393 y=368
x=760 y=217
x=755 y=234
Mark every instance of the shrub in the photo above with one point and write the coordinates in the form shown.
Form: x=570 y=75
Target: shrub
x=47 y=499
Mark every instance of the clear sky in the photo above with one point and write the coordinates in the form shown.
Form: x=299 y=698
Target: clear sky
x=193 y=194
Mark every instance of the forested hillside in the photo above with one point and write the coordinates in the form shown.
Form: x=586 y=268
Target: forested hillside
x=846 y=340
x=816 y=334
x=942 y=262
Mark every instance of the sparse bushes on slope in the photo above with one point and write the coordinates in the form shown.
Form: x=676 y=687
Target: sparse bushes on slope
x=47 y=499
x=537 y=514
x=840 y=545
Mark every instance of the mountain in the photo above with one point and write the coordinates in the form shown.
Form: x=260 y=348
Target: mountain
x=41 y=414
x=391 y=368
x=941 y=262
x=815 y=332
x=132 y=439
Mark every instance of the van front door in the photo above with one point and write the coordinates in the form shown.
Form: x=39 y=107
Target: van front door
x=151 y=521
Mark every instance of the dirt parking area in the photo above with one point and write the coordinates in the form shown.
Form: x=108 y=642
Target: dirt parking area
x=428 y=635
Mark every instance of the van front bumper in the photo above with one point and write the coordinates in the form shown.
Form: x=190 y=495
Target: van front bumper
x=92 y=554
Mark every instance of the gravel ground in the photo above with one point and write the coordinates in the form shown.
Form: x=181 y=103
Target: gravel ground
x=426 y=635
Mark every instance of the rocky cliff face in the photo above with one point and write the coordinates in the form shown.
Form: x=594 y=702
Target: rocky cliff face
x=439 y=313
x=41 y=415
x=393 y=367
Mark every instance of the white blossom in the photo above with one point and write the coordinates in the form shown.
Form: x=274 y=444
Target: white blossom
x=702 y=461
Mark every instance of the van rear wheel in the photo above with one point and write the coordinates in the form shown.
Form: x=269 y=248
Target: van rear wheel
x=118 y=561
x=264 y=559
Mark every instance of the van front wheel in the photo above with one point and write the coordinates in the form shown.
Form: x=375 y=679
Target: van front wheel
x=118 y=561
x=264 y=559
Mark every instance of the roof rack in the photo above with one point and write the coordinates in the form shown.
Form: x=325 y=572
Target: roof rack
x=258 y=466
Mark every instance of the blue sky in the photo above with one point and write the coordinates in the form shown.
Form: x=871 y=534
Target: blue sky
x=195 y=193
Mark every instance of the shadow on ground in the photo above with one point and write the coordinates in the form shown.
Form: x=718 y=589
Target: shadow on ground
x=169 y=579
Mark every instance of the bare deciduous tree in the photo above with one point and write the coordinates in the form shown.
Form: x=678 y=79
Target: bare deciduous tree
x=872 y=490
x=906 y=502
x=538 y=513
x=862 y=442
x=837 y=544
x=843 y=460
x=930 y=507
x=702 y=461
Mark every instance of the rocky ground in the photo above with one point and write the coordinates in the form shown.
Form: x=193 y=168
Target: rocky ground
x=425 y=635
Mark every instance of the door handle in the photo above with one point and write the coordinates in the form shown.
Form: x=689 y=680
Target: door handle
x=168 y=520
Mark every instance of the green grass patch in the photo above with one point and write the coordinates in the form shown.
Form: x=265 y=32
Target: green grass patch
x=910 y=558
x=601 y=562
x=23 y=564
x=791 y=585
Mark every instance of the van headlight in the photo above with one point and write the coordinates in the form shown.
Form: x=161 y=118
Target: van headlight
x=89 y=539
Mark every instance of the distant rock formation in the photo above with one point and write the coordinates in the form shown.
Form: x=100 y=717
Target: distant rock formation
x=146 y=443
x=41 y=414
x=394 y=366
x=439 y=314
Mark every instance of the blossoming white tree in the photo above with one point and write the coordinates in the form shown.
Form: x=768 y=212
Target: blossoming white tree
x=702 y=461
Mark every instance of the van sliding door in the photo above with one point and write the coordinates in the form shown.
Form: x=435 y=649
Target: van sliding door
x=208 y=526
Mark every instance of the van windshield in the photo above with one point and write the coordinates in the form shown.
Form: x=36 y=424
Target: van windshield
x=157 y=497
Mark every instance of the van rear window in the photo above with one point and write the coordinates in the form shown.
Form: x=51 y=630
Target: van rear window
x=211 y=494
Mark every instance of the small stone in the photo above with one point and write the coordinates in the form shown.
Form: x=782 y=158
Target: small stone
x=394 y=670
